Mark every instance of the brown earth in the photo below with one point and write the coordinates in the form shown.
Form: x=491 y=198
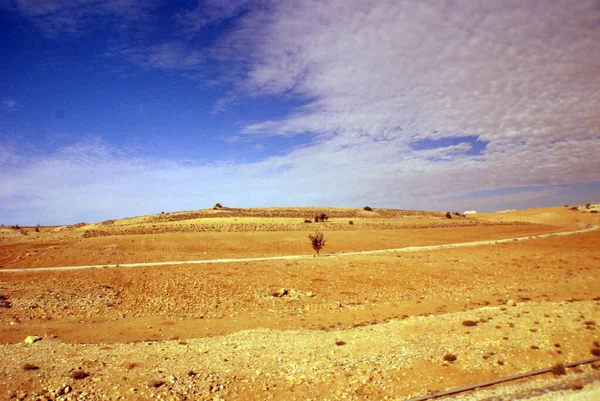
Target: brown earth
x=349 y=327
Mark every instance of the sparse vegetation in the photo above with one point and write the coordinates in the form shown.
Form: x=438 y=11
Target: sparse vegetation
x=131 y=365
x=558 y=369
x=321 y=218
x=450 y=357
x=317 y=241
x=30 y=366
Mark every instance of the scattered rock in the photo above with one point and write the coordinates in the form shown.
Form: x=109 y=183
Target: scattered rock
x=64 y=390
x=469 y=323
x=5 y=302
x=282 y=292
x=511 y=302
x=155 y=383
x=79 y=375
x=31 y=339
x=595 y=351
x=577 y=385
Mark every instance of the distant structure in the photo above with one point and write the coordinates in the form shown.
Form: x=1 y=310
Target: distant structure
x=589 y=207
x=470 y=212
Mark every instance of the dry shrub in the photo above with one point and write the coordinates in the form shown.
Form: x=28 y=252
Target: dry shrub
x=450 y=357
x=558 y=369
x=317 y=241
x=30 y=366
x=469 y=323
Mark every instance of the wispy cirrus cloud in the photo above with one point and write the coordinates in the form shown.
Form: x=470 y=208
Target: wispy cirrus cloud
x=164 y=56
x=54 y=17
x=192 y=20
x=9 y=104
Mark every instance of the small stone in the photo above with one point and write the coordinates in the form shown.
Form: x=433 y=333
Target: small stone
x=280 y=293
x=31 y=339
x=511 y=302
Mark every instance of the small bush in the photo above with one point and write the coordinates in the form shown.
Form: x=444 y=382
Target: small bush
x=595 y=351
x=307 y=221
x=340 y=343
x=368 y=208
x=321 y=218
x=558 y=369
x=448 y=215
x=218 y=206
x=317 y=241
x=30 y=366
x=351 y=222
x=450 y=357
x=37 y=228
x=469 y=323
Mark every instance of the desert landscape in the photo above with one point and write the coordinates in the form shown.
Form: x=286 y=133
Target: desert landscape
x=226 y=303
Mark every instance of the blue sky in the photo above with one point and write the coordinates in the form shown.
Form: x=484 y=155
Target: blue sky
x=122 y=107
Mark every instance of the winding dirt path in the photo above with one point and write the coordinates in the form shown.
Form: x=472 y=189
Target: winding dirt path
x=291 y=257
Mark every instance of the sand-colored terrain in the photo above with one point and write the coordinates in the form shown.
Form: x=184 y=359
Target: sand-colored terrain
x=373 y=326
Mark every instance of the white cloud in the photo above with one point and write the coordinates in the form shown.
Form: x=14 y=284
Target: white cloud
x=91 y=181
x=520 y=75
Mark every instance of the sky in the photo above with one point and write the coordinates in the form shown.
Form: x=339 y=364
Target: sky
x=120 y=108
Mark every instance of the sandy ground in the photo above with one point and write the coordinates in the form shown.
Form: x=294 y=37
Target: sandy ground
x=359 y=327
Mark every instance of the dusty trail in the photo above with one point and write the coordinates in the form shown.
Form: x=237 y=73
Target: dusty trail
x=292 y=257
